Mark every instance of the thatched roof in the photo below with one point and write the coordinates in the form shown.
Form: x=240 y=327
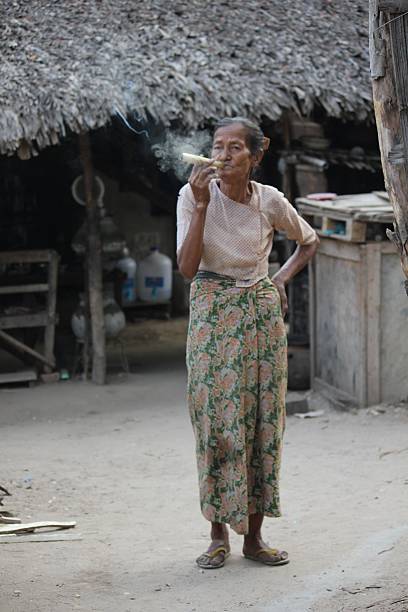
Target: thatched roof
x=74 y=64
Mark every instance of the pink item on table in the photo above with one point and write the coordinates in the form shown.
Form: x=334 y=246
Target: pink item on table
x=321 y=196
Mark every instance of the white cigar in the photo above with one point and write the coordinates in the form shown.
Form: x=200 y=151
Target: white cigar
x=200 y=160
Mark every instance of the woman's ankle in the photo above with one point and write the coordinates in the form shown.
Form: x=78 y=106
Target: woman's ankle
x=219 y=531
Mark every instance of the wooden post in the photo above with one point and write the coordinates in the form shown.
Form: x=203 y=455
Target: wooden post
x=94 y=266
x=389 y=62
x=51 y=306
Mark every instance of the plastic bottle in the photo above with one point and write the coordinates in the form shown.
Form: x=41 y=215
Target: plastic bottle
x=155 y=277
x=127 y=265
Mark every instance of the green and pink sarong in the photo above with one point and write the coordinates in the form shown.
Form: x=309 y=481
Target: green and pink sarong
x=237 y=378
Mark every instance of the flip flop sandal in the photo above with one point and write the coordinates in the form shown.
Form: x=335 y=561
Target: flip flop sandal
x=202 y=560
x=275 y=556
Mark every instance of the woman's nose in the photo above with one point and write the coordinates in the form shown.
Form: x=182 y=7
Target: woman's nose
x=223 y=155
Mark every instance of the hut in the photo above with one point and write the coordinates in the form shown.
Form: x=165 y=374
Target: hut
x=301 y=69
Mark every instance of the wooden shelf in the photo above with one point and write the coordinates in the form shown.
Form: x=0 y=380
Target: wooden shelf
x=34 y=288
x=38 y=317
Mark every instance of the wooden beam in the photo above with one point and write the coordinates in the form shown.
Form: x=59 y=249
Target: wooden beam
x=49 y=335
x=372 y=255
x=34 y=288
x=94 y=263
x=376 y=43
x=25 y=350
x=38 y=319
x=399 y=52
x=8 y=257
x=393 y=6
x=390 y=135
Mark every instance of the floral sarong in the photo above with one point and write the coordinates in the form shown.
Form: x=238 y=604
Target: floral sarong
x=237 y=377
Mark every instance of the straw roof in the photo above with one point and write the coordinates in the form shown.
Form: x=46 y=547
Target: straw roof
x=74 y=64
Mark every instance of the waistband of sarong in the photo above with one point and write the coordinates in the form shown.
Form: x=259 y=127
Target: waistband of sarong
x=228 y=280
x=204 y=275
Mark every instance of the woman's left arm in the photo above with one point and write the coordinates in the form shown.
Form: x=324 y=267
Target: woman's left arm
x=291 y=267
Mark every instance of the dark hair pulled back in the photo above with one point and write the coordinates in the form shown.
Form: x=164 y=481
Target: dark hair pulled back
x=254 y=137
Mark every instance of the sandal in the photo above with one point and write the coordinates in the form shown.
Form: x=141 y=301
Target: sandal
x=204 y=560
x=269 y=556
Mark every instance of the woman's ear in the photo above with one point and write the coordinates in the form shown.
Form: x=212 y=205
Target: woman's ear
x=258 y=158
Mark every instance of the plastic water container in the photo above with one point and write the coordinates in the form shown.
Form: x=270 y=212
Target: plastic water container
x=154 y=277
x=127 y=265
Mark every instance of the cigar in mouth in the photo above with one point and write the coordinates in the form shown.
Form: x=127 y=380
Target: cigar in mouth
x=200 y=160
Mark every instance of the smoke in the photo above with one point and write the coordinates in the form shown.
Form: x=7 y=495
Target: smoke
x=132 y=129
x=169 y=150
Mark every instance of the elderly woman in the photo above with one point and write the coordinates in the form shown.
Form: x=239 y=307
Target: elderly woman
x=236 y=346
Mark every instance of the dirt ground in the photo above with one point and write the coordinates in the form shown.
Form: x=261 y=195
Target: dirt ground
x=120 y=461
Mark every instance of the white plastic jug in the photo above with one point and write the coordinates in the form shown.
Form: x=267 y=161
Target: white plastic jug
x=127 y=265
x=154 y=277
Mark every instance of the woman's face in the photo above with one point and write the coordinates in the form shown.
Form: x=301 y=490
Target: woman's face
x=230 y=147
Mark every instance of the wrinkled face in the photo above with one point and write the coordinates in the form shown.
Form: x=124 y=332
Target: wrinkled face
x=230 y=147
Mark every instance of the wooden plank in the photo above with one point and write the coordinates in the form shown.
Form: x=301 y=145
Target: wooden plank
x=41 y=537
x=387 y=247
x=39 y=319
x=34 y=288
x=325 y=212
x=374 y=209
x=338 y=319
x=20 y=376
x=339 y=250
x=345 y=211
x=393 y=6
x=7 y=518
x=399 y=47
x=361 y=291
x=352 y=209
x=348 y=207
x=24 y=527
x=373 y=333
x=11 y=257
x=381 y=217
x=23 y=348
x=376 y=43
x=354 y=199
x=49 y=334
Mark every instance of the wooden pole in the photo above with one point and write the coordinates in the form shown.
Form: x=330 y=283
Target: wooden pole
x=387 y=58
x=94 y=266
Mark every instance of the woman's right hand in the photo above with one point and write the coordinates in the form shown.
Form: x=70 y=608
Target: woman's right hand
x=199 y=180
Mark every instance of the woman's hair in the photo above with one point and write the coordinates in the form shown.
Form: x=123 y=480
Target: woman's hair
x=254 y=137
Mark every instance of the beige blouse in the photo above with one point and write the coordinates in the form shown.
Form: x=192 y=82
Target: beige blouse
x=238 y=237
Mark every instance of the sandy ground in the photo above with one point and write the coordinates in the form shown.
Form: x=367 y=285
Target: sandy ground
x=120 y=461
